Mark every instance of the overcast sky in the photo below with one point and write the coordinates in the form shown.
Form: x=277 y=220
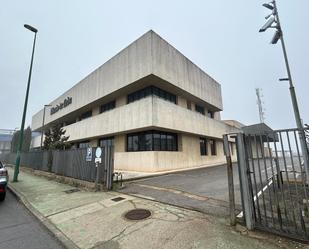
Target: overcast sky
x=221 y=37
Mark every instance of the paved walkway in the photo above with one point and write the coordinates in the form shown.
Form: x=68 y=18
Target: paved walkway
x=86 y=219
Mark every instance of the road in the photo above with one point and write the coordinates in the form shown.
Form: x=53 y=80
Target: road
x=206 y=189
x=203 y=189
x=20 y=230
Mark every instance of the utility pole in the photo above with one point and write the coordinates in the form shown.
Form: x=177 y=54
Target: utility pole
x=21 y=134
x=274 y=22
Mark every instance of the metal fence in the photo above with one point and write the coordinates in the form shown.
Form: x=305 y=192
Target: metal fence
x=274 y=185
x=70 y=163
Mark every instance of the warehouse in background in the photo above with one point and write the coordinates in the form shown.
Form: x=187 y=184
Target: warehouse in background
x=159 y=110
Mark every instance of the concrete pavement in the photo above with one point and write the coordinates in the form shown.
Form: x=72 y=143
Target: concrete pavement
x=93 y=220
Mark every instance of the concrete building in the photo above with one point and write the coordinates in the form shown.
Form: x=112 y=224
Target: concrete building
x=6 y=136
x=159 y=110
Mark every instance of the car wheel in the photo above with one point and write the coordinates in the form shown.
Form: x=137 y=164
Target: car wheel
x=2 y=196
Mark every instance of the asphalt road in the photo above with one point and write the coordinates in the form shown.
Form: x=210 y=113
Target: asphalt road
x=204 y=189
x=20 y=230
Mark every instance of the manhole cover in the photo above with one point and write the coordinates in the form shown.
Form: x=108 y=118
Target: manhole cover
x=118 y=199
x=137 y=214
x=71 y=191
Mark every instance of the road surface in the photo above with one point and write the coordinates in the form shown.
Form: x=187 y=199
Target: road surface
x=20 y=230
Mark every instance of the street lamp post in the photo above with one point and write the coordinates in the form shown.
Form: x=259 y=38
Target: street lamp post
x=43 y=121
x=16 y=170
x=274 y=22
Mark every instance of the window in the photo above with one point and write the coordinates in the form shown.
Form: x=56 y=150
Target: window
x=70 y=122
x=108 y=106
x=200 y=109
x=210 y=114
x=189 y=104
x=156 y=141
x=84 y=144
x=108 y=141
x=152 y=141
x=151 y=90
x=203 y=146
x=85 y=115
x=213 y=148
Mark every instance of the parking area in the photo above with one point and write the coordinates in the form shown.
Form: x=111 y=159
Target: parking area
x=203 y=189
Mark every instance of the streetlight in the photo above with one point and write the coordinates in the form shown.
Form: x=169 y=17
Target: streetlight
x=43 y=124
x=16 y=170
x=274 y=22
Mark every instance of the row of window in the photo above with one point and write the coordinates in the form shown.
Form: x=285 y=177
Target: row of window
x=85 y=115
x=201 y=110
x=156 y=141
x=108 y=106
x=108 y=141
x=204 y=146
x=151 y=91
x=145 y=92
x=152 y=141
x=103 y=108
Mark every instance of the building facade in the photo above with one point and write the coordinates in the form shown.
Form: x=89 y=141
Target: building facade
x=6 y=136
x=159 y=110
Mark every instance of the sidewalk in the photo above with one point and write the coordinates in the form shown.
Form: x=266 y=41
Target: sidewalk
x=86 y=219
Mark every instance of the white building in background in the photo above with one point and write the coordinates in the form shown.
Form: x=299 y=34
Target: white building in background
x=159 y=110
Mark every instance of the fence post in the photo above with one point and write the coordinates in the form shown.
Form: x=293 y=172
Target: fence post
x=244 y=180
x=97 y=176
x=230 y=179
x=109 y=167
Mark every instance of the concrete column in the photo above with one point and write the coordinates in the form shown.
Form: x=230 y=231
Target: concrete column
x=181 y=101
x=120 y=143
x=122 y=100
x=96 y=110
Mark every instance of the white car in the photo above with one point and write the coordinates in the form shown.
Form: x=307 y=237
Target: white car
x=4 y=178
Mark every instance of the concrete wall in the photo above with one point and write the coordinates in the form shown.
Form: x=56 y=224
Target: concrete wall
x=160 y=161
x=150 y=112
x=174 y=67
x=148 y=55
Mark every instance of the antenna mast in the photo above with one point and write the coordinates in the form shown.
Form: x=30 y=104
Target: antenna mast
x=260 y=105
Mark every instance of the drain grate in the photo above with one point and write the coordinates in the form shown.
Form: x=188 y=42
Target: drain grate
x=71 y=191
x=118 y=199
x=137 y=214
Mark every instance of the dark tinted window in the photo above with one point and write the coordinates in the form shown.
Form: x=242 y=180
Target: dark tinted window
x=108 y=106
x=200 y=109
x=156 y=141
x=1 y=165
x=151 y=90
x=211 y=114
x=108 y=141
x=85 y=115
x=189 y=104
x=203 y=146
x=152 y=141
x=84 y=144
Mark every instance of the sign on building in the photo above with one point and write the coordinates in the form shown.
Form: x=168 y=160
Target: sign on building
x=89 y=155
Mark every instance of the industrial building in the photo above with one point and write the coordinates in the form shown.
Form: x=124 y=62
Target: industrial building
x=159 y=110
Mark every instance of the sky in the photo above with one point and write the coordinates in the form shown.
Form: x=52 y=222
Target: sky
x=221 y=37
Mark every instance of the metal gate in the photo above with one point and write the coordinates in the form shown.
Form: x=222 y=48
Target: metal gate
x=273 y=182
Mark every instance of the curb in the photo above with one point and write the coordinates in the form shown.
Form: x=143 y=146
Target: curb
x=55 y=232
